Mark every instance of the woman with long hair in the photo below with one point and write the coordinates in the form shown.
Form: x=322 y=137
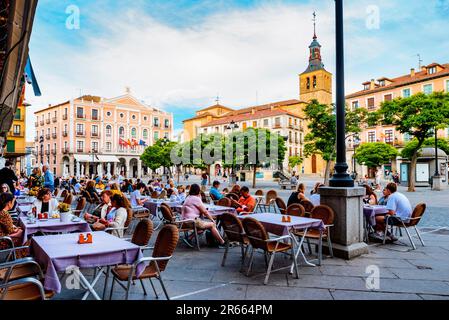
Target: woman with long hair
x=45 y=203
x=7 y=227
x=113 y=214
x=298 y=195
x=370 y=197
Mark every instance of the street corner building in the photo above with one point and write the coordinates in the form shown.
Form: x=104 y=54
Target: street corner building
x=92 y=135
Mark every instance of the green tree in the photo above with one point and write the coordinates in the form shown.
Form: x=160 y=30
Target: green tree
x=294 y=161
x=417 y=116
x=244 y=145
x=321 y=138
x=411 y=146
x=375 y=154
x=158 y=155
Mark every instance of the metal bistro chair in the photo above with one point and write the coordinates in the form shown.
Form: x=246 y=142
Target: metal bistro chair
x=68 y=199
x=80 y=207
x=224 y=202
x=64 y=193
x=417 y=214
x=184 y=226
x=20 y=279
x=326 y=214
x=163 y=250
x=308 y=206
x=234 y=232
x=258 y=238
x=296 y=210
x=282 y=207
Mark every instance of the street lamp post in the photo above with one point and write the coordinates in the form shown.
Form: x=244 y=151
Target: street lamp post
x=232 y=126
x=437 y=173
x=341 y=178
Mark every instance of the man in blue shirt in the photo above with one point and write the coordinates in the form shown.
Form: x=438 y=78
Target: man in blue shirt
x=214 y=192
x=49 y=181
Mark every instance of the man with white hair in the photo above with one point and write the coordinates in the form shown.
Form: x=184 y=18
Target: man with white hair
x=49 y=180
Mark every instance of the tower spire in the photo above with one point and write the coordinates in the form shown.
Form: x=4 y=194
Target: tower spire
x=314 y=25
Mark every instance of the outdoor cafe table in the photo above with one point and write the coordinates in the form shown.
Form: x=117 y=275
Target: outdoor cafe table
x=371 y=211
x=154 y=204
x=62 y=253
x=51 y=226
x=213 y=210
x=273 y=224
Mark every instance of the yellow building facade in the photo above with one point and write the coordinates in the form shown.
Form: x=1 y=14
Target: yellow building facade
x=15 y=149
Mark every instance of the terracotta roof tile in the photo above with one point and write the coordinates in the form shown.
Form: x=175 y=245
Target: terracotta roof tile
x=404 y=80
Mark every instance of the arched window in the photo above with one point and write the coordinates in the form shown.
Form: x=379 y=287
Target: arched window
x=308 y=83
x=108 y=130
x=314 y=82
x=134 y=133
x=121 y=132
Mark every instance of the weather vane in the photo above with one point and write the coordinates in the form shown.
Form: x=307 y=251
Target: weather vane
x=314 y=25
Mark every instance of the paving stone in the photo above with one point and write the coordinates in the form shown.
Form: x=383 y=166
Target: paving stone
x=328 y=282
x=286 y=293
x=357 y=295
x=354 y=271
x=422 y=274
x=415 y=286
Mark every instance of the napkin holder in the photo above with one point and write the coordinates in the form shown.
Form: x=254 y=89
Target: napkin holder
x=286 y=219
x=85 y=239
x=42 y=216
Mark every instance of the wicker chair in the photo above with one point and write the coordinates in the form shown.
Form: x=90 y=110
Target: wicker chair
x=296 y=210
x=233 y=229
x=271 y=196
x=308 y=206
x=64 y=193
x=184 y=226
x=163 y=250
x=20 y=279
x=281 y=205
x=154 y=195
x=224 y=202
x=56 y=192
x=80 y=207
x=417 y=214
x=68 y=199
x=259 y=239
x=326 y=214
x=232 y=196
x=142 y=234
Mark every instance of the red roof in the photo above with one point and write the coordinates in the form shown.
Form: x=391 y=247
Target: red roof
x=248 y=116
x=404 y=80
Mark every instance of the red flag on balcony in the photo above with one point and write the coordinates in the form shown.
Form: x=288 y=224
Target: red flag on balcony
x=122 y=142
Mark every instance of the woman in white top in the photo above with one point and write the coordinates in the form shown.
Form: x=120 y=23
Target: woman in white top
x=45 y=203
x=115 y=215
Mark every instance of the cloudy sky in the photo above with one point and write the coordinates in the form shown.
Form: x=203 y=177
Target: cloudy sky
x=178 y=55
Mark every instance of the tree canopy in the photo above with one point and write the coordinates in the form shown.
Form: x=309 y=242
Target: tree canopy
x=158 y=155
x=375 y=154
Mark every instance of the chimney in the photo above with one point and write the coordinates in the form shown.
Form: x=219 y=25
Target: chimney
x=412 y=72
x=372 y=85
x=253 y=111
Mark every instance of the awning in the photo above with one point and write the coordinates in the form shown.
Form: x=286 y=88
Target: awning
x=95 y=158
x=108 y=159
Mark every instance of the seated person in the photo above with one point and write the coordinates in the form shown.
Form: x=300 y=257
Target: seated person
x=214 y=192
x=193 y=208
x=246 y=203
x=113 y=215
x=235 y=189
x=370 y=197
x=78 y=186
x=398 y=206
x=45 y=203
x=100 y=185
x=181 y=194
x=7 y=227
x=315 y=197
x=298 y=195
x=383 y=201
x=136 y=196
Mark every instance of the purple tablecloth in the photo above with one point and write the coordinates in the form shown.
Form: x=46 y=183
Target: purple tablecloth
x=273 y=223
x=52 y=225
x=23 y=209
x=153 y=205
x=212 y=209
x=58 y=253
x=370 y=213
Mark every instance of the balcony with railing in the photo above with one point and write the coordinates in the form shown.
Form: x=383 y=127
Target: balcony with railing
x=36 y=124
x=41 y=123
x=80 y=133
x=81 y=116
x=47 y=121
x=47 y=136
x=80 y=150
x=53 y=152
x=65 y=150
x=36 y=139
x=54 y=135
x=47 y=152
x=17 y=134
x=65 y=134
x=94 y=134
x=65 y=117
x=95 y=118
x=54 y=119
x=277 y=126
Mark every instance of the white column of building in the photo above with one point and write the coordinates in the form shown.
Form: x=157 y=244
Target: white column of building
x=78 y=170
